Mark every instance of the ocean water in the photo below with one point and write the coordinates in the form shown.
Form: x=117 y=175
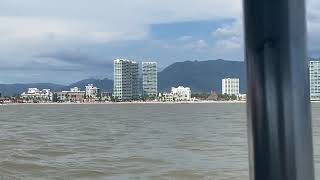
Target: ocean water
x=120 y=142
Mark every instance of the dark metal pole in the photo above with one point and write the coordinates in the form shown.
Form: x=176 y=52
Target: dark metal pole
x=280 y=135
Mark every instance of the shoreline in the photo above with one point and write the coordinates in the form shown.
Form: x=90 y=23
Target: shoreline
x=135 y=103
x=132 y=103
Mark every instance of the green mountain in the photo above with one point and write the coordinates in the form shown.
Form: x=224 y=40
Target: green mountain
x=201 y=76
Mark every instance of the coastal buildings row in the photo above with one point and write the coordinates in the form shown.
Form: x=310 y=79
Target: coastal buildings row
x=35 y=94
x=94 y=94
x=132 y=82
x=91 y=94
x=230 y=86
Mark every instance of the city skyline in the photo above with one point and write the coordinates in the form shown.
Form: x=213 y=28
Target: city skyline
x=127 y=86
x=59 y=41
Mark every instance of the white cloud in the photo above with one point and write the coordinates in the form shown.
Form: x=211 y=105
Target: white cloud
x=229 y=30
x=108 y=20
x=37 y=26
x=120 y=11
x=228 y=40
x=33 y=27
x=31 y=31
x=227 y=44
x=197 y=46
x=229 y=37
x=313 y=27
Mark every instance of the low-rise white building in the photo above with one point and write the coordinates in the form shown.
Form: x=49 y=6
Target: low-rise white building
x=74 y=95
x=106 y=96
x=61 y=96
x=181 y=93
x=166 y=97
x=32 y=91
x=231 y=86
x=74 y=89
x=242 y=97
x=36 y=94
x=92 y=91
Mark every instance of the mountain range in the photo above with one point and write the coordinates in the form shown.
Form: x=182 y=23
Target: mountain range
x=14 y=89
x=200 y=76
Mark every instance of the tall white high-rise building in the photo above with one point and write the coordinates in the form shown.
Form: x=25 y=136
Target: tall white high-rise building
x=230 y=86
x=126 y=80
x=149 y=79
x=314 y=68
x=135 y=79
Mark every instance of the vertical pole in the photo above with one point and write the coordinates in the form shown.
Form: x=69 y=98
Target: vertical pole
x=279 y=122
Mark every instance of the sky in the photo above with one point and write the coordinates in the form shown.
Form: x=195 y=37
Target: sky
x=63 y=41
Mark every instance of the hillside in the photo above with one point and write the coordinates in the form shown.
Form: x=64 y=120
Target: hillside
x=201 y=76
x=14 y=89
x=104 y=84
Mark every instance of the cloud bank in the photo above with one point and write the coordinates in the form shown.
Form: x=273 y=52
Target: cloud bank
x=63 y=41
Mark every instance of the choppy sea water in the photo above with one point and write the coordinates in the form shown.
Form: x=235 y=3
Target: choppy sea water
x=120 y=142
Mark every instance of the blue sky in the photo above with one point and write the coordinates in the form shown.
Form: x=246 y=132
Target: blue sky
x=65 y=41
x=196 y=29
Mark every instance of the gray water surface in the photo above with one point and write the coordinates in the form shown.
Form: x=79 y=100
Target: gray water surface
x=120 y=142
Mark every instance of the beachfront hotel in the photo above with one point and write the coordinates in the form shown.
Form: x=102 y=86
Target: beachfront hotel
x=314 y=68
x=126 y=80
x=230 y=86
x=181 y=93
x=149 y=79
x=73 y=95
x=35 y=93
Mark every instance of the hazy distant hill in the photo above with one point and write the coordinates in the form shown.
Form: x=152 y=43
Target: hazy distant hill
x=105 y=84
x=13 y=89
x=201 y=76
